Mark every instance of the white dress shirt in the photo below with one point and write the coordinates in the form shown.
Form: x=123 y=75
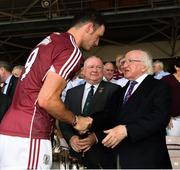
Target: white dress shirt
x=121 y=82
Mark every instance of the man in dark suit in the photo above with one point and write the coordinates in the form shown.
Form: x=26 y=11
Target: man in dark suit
x=8 y=85
x=143 y=114
x=4 y=104
x=7 y=79
x=104 y=94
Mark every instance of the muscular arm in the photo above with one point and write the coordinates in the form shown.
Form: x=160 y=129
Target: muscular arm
x=49 y=98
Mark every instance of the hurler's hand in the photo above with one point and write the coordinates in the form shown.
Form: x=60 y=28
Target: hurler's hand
x=83 y=124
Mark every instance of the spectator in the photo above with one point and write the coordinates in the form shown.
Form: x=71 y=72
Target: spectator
x=7 y=79
x=108 y=71
x=173 y=81
x=158 y=68
x=121 y=81
x=117 y=73
x=17 y=70
x=8 y=84
x=28 y=124
x=4 y=104
x=77 y=80
x=142 y=117
x=95 y=155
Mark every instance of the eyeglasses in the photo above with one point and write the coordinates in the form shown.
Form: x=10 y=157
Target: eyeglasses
x=92 y=67
x=130 y=61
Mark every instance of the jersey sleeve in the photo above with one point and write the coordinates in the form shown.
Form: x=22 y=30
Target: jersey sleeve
x=67 y=62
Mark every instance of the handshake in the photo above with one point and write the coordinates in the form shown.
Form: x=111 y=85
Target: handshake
x=82 y=124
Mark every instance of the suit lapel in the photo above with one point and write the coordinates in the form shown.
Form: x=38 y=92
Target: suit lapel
x=124 y=91
x=141 y=90
x=79 y=97
x=99 y=92
x=9 y=86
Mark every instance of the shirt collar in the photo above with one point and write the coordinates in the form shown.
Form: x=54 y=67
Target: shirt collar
x=141 y=78
x=161 y=72
x=8 y=79
x=88 y=86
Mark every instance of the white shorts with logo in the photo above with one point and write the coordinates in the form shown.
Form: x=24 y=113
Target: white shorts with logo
x=24 y=153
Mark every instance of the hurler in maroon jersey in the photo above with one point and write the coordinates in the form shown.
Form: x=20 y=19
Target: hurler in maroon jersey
x=27 y=126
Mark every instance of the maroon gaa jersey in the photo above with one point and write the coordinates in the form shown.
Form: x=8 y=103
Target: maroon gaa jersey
x=57 y=53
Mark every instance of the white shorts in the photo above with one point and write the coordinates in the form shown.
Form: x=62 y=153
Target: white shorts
x=24 y=153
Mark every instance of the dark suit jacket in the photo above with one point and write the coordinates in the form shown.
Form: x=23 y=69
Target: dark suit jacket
x=146 y=115
x=12 y=87
x=4 y=104
x=7 y=98
x=98 y=156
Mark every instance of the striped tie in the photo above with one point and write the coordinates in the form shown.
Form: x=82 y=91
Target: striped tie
x=129 y=92
x=88 y=104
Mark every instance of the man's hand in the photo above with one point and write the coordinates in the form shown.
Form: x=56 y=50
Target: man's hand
x=83 y=123
x=87 y=142
x=114 y=136
x=74 y=143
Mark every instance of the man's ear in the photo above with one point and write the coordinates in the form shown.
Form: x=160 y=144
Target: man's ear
x=90 y=27
x=2 y=68
x=144 y=68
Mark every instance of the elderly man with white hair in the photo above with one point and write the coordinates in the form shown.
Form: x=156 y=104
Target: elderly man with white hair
x=158 y=68
x=141 y=119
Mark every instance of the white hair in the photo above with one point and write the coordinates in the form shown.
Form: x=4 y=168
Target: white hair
x=160 y=63
x=147 y=60
x=87 y=60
